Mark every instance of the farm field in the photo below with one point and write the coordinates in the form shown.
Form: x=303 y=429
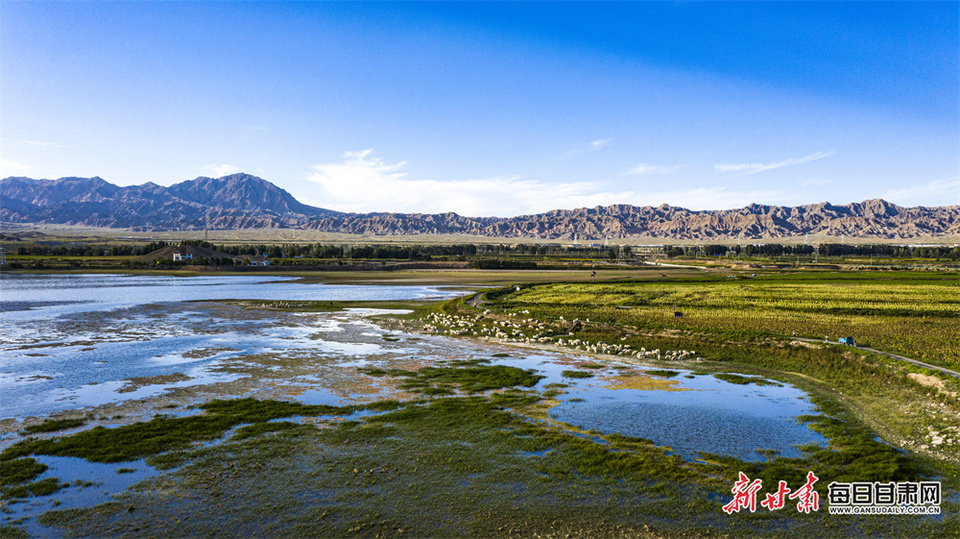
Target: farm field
x=914 y=314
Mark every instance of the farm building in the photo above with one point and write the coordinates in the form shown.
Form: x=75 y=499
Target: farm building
x=190 y=254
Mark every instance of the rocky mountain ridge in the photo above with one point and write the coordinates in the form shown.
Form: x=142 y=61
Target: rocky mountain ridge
x=243 y=201
x=230 y=202
x=869 y=219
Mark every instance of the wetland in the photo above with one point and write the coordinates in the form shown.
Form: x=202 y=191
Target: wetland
x=266 y=405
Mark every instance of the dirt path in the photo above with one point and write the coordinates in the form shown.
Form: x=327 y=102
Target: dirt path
x=918 y=363
x=476 y=300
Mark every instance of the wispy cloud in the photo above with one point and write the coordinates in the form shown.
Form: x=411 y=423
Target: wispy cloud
x=753 y=168
x=218 y=171
x=646 y=168
x=943 y=192
x=42 y=144
x=597 y=144
x=592 y=146
x=8 y=167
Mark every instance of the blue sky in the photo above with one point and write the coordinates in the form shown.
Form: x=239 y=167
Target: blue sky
x=492 y=108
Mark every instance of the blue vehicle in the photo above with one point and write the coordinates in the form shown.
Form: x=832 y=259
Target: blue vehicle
x=848 y=341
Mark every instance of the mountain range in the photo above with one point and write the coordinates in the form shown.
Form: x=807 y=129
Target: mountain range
x=242 y=201
x=231 y=202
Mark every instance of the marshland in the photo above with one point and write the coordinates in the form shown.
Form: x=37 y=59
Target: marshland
x=562 y=403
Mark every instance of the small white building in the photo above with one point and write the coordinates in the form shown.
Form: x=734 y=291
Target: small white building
x=178 y=256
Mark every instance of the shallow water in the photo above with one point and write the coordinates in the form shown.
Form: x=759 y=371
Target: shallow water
x=689 y=415
x=720 y=418
x=93 y=343
x=89 y=483
x=74 y=341
x=81 y=341
x=62 y=294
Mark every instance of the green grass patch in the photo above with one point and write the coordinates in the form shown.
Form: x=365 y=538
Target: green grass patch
x=472 y=379
x=259 y=429
x=386 y=372
x=468 y=362
x=165 y=433
x=53 y=425
x=43 y=487
x=576 y=374
x=663 y=372
x=20 y=470
x=13 y=532
x=743 y=380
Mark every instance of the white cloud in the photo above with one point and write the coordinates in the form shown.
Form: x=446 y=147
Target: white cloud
x=363 y=183
x=944 y=192
x=218 y=171
x=753 y=168
x=8 y=167
x=646 y=168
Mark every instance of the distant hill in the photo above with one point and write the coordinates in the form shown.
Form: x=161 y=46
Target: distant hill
x=230 y=202
x=242 y=192
x=243 y=201
x=869 y=219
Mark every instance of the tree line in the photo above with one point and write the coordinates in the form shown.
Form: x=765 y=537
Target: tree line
x=941 y=252
x=467 y=250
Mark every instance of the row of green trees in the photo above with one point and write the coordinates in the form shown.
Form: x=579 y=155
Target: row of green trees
x=74 y=249
x=467 y=250
x=824 y=249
